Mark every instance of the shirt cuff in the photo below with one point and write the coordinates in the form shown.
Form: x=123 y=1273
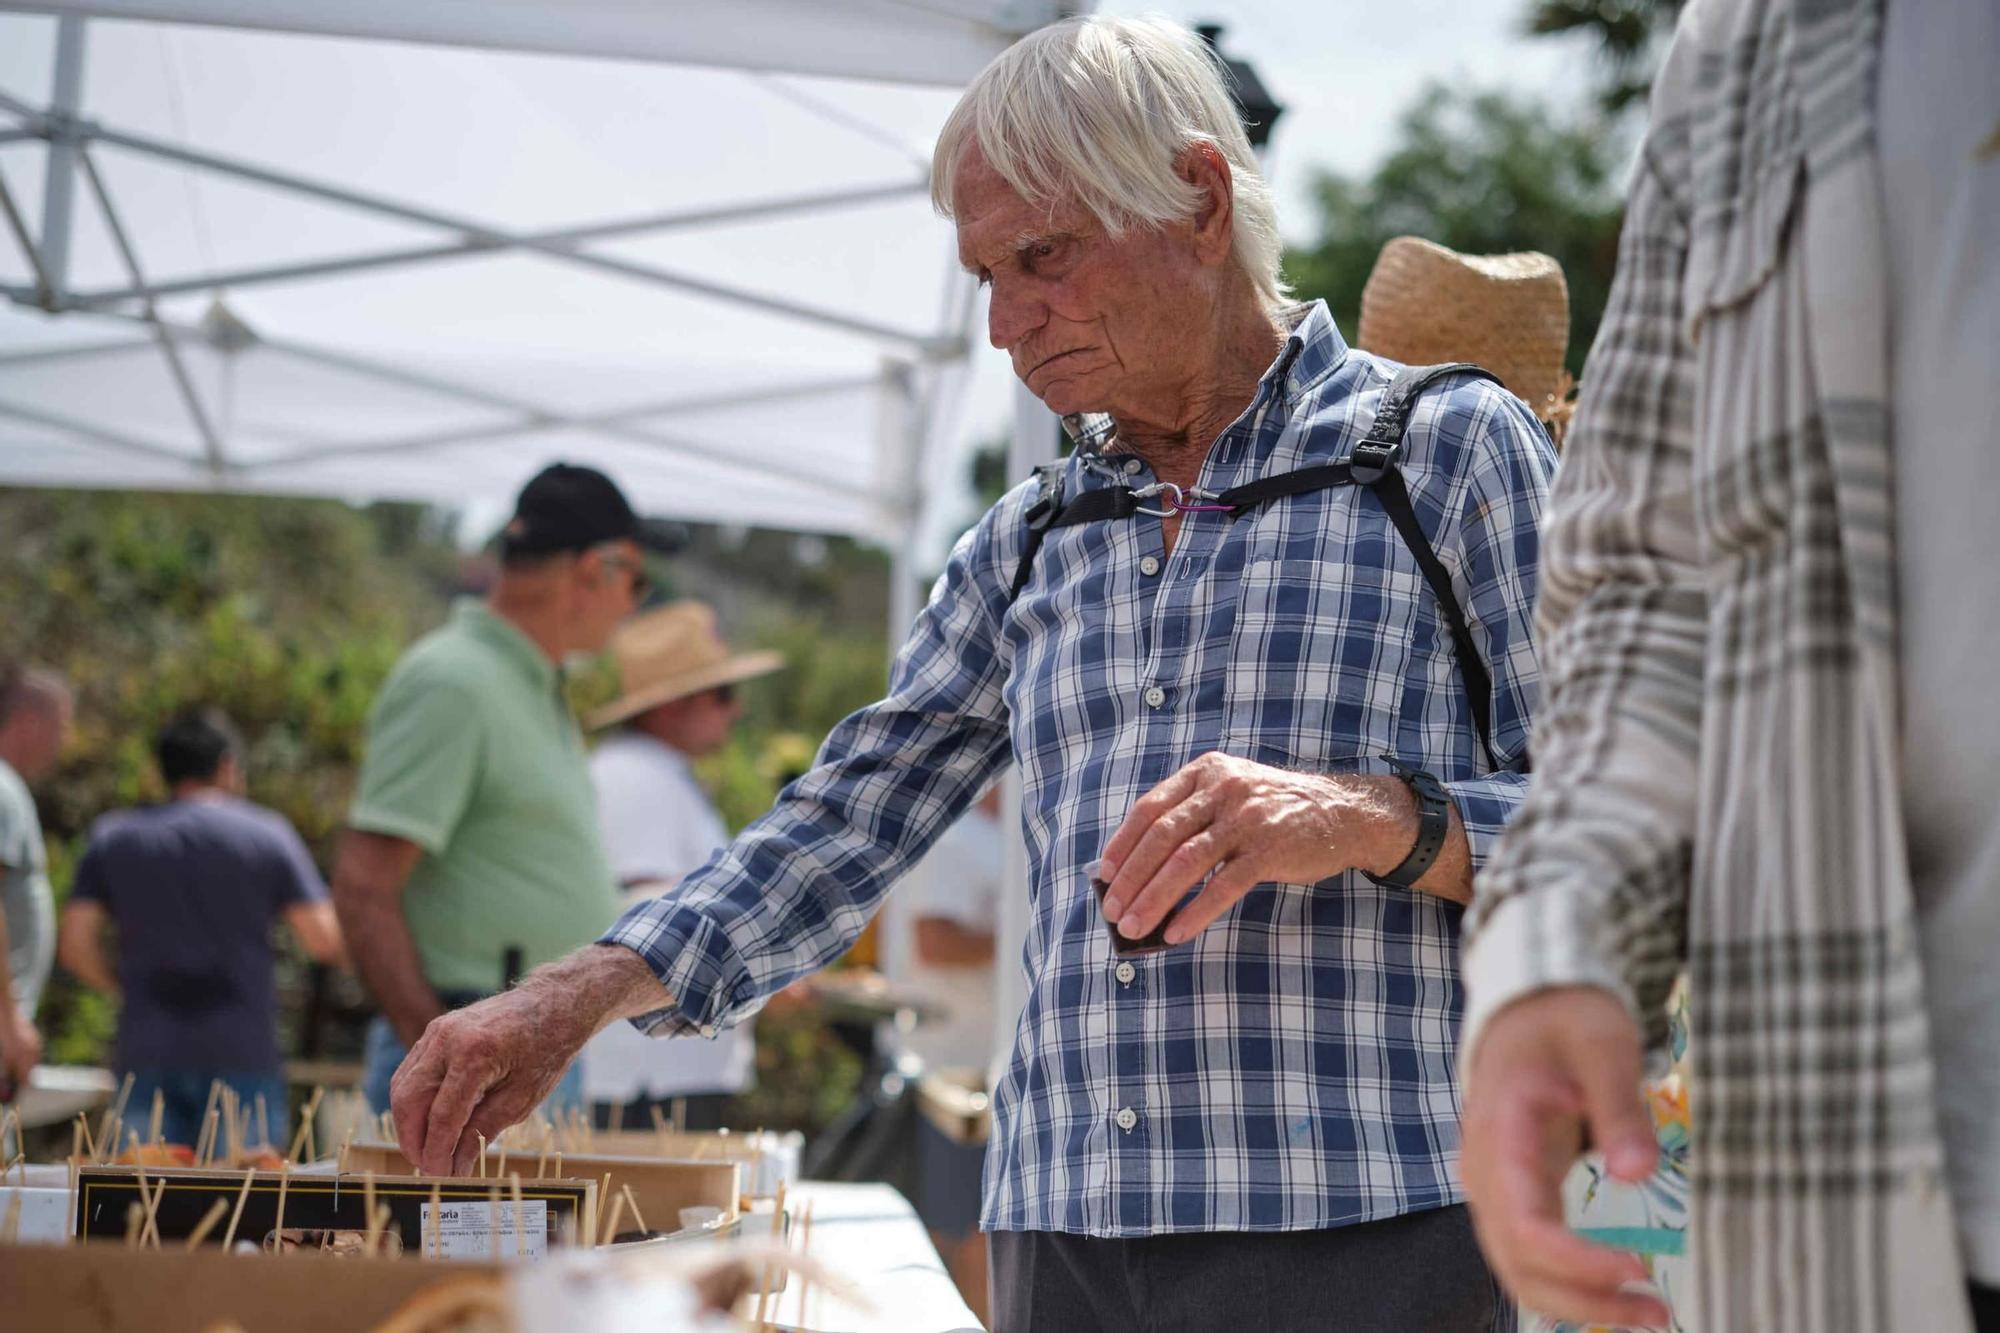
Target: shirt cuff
x=1532 y=943
x=692 y=957
x=1484 y=806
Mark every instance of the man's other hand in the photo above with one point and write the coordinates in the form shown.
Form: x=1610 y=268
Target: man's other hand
x=1550 y=1073
x=1240 y=824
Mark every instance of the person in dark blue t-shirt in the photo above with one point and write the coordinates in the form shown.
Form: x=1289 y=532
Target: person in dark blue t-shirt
x=193 y=886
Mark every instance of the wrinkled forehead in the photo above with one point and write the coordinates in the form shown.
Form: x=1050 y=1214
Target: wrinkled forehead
x=991 y=216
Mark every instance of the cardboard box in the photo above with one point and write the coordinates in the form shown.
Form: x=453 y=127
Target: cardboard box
x=768 y=1158
x=661 y=1187
x=102 y=1288
x=474 y=1219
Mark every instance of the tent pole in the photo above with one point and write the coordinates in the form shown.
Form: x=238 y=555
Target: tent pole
x=211 y=444
x=59 y=188
x=96 y=434
x=44 y=292
x=484 y=235
x=258 y=275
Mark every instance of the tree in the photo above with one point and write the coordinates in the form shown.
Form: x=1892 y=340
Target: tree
x=1630 y=35
x=1484 y=173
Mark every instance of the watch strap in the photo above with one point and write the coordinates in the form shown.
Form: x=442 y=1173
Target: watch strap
x=1433 y=822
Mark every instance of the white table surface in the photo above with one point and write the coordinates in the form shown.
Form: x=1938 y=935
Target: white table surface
x=871 y=1235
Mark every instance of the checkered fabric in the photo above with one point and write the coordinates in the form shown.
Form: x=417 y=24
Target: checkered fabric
x=1291 y=1067
x=1716 y=770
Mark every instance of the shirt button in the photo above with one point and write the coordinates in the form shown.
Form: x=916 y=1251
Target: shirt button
x=1127 y=1118
x=1155 y=696
x=1149 y=566
x=1132 y=466
x=1125 y=972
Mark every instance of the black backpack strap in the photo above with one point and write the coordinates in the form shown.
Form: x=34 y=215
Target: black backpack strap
x=1049 y=511
x=1373 y=466
x=1041 y=516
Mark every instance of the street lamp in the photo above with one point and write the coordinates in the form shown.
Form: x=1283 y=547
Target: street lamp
x=1260 y=110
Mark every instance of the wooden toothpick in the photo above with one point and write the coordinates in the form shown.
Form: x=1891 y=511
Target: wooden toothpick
x=207 y=1223
x=278 y=1231
x=611 y=1224
x=637 y=1216
x=242 y=1197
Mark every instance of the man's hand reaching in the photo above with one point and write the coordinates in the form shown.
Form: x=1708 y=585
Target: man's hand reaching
x=488 y=1066
x=1550 y=1073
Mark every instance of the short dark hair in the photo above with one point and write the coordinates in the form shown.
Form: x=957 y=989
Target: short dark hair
x=192 y=746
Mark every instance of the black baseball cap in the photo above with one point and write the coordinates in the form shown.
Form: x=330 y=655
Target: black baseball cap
x=569 y=508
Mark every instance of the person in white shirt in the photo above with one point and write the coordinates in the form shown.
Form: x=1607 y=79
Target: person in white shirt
x=677 y=702
x=949 y=911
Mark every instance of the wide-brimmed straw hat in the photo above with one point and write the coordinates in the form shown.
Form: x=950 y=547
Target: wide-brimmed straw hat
x=669 y=653
x=1425 y=303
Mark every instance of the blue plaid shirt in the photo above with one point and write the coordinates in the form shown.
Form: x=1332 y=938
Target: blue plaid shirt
x=1291 y=1067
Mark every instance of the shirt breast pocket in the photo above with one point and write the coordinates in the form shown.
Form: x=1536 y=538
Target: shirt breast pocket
x=1317 y=668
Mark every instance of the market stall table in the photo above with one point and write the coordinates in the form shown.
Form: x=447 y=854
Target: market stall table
x=871 y=1236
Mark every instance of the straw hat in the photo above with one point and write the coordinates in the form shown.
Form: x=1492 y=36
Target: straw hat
x=1509 y=313
x=669 y=653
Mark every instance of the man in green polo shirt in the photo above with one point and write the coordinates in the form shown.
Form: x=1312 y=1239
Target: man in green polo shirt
x=472 y=851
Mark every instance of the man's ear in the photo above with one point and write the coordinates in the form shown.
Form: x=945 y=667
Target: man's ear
x=1203 y=166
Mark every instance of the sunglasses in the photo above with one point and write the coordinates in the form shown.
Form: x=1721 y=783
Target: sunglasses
x=642 y=583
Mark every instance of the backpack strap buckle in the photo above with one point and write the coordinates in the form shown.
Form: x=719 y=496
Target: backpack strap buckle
x=1371 y=461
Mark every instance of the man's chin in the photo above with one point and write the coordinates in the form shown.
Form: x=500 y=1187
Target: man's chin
x=1065 y=397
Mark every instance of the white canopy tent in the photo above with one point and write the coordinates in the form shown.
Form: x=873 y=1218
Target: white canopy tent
x=309 y=249
x=415 y=249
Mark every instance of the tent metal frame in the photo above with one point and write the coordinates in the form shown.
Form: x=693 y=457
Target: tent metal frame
x=910 y=369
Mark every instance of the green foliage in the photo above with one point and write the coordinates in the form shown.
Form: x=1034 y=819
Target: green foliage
x=1484 y=173
x=1630 y=34
x=285 y=614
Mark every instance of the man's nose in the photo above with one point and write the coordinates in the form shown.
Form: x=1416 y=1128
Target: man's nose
x=1012 y=314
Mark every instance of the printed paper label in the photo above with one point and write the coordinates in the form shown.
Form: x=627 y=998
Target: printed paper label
x=458 y=1230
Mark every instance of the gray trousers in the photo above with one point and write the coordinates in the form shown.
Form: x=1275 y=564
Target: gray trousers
x=1420 y=1273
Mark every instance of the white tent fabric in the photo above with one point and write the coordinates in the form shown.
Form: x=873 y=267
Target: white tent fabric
x=388 y=266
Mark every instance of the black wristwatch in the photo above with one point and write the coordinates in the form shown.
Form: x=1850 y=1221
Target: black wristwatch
x=1433 y=822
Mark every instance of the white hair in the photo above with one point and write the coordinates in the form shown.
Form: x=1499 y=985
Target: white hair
x=1100 y=111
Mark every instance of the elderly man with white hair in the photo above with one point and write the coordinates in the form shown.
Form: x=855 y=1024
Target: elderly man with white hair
x=1260 y=649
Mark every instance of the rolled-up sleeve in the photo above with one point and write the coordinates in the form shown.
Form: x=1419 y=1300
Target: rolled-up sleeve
x=1498 y=521
x=799 y=884
x=1588 y=885
x=425 y=748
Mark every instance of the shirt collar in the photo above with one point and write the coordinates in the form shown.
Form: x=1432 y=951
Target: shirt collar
x=1313 y=350
x=478 y=619
x=656 y=747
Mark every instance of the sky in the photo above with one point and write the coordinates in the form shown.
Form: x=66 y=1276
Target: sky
x=1346 y=71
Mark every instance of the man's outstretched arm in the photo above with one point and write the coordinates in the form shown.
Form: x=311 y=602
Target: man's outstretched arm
x=784 y=899
x=481 y=1069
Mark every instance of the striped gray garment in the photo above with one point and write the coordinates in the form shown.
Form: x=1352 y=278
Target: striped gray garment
x=1716 y=780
